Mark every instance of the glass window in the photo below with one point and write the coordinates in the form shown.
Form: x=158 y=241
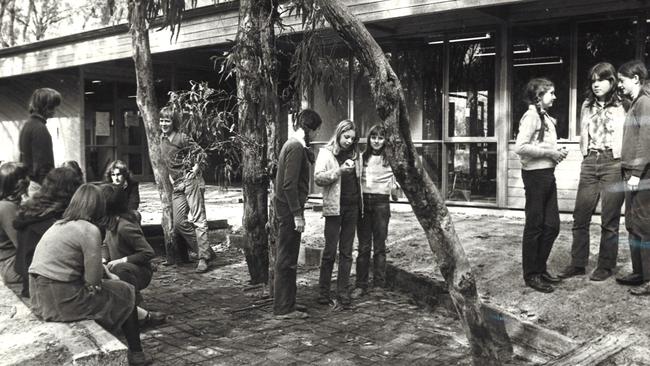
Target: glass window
x=610 y=41
x=471 y=85
x=472 y=172
x=541 y=51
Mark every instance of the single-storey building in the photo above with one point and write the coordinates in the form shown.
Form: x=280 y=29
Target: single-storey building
x=462 y=63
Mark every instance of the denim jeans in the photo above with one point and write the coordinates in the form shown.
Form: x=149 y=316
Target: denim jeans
x=339 y=231
x=637 y=223
x=188 y=216
x=542 y=220
x=372 y=231
x=286 y=261
x=600 y=178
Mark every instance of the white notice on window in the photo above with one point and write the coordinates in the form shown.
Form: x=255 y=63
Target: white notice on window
x=102 y=124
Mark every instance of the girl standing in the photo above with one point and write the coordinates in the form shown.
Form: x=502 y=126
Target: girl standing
x=601 y=120
x=537 y=148
x=378 y=182
x=338 y=173
x=13 y=185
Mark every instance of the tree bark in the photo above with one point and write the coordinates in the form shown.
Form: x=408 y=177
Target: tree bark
x=428 y=205
x=148 y=106
x=256 y=88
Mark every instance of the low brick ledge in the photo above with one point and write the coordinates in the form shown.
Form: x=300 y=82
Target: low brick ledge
x=26 y=340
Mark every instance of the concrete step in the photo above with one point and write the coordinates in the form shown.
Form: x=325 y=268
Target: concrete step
x=27 y=340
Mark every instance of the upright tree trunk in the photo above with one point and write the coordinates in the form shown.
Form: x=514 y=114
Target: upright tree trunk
x=148 y=106
x=256 y=89
x=427 y=203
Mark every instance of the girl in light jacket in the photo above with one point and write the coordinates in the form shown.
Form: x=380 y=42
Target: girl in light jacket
x=539 y=154
x=338 y=170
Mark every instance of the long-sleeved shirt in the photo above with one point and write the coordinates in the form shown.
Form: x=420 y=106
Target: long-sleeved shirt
x=601 y=127
x=35 y=143
x=70 y=252
x=532 y=151
x=127 y=241
x=181 y=154
x=377 y=178
x=635 y=154
x=292 y=179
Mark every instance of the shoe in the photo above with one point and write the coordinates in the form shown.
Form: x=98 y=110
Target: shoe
x=300 y=307
x=536 y=283
x=600 y=274
x=153 y=319
x=547 y=277
x=202 y=266
x=293 y=315
x=345 y=301
x=632 y=279
x=641 y=290
x=324 y=300
x=138 y=359
x=193 y=256
x=572 y=271
x=359 y=292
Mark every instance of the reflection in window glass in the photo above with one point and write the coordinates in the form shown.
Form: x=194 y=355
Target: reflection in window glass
x=471 y=86
x=432 y=98
x=472 y=172
x=431 y=157
x=603 y=41
x=541 y=51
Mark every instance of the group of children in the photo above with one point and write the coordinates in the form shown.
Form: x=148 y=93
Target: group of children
x=356 y=188
x=615 y=144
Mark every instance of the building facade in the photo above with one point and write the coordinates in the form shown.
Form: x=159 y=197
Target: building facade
x=463 y=65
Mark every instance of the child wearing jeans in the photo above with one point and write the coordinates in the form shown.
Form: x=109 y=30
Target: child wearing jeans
x=377 y=182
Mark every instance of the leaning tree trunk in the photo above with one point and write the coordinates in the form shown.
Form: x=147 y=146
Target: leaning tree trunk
x=146 y=99
x=256 y=81
x=428 y=205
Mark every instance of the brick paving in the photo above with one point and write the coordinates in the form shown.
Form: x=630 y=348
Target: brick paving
x=217 y=318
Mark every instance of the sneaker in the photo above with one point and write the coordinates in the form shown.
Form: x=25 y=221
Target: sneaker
x=536 y=283
x=138 y=359
x=572 y=271
x=632 y=279
x=600 y=274
x=293 y=315
x=153 y=319
x=202 y=266
x=359 y=292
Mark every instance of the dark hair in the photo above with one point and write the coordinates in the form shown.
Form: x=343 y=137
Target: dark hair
x=308 y=119
x=72 y=164
x=43 y=100
x=533 y=93
x=13 y=181
x=87 y=204
x=117 y=164
x=58 y=187
x=376 y=130
x=602 y=71
x=173 y=115
x=343 y=126
x=117 y=205
x=634 y=67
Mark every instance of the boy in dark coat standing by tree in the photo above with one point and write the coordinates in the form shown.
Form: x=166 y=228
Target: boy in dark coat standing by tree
x=292 y=188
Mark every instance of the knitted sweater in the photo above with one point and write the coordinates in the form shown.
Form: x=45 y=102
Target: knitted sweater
x=377 y=178
x=531 y=151
x=35 y=143
x=70 y=252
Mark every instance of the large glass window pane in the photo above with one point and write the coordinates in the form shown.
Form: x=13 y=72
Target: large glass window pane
x=471 y=85
x=472 y=172
x=610 y=41
x=433 y=92
x=431 y=157
x=541 y=51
